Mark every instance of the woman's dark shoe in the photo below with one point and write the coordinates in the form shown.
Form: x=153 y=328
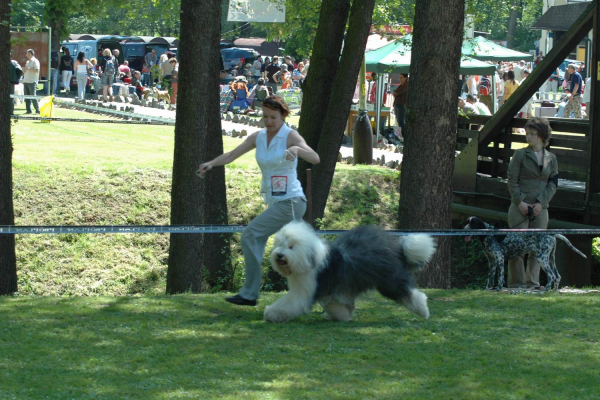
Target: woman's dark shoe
x=240 y=301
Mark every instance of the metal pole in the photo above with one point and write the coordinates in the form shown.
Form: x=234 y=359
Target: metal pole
x=309 y=196
x=495 y=100
x=49 y=85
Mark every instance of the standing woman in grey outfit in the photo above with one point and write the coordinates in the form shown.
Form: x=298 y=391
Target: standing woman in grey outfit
x=277 y=150
x=532 y=182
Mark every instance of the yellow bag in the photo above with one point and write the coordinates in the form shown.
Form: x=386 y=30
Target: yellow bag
x=46 y=107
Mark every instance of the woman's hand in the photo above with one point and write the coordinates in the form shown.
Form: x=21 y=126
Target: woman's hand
x=524 y=208
x=204 y=168
x=537 y=208
x=291 y=153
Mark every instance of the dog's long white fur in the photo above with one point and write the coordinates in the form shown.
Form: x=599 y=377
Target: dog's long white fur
x=302 y=282
x=307 y=253
x=418 y=248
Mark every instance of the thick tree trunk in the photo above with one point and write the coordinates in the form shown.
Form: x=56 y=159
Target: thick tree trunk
x=197 y=139
x=338 y=110
x=515 y=11
x=430 y=140
x=321 y=74
x=8 y=262
x=54 y=13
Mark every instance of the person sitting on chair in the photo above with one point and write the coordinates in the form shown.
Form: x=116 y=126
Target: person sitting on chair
x=259 y=93
x=239 y=83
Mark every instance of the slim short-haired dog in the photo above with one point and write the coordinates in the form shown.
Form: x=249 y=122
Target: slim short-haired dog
x=162 y=94
x=497 y=248
x=334 y=274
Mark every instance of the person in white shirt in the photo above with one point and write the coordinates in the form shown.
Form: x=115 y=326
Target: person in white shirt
x=587 y=95
x=519 y=71
x=278 y=148
x=527 y=109
x=481 y=108
x=30 y=80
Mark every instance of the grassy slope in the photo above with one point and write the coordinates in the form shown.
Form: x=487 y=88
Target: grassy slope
x=475 y=345
x=77 y=174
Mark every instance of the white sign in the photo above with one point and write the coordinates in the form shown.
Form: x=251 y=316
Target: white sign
x=256 y=11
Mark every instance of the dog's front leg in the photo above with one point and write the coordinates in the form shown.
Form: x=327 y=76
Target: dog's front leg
x=286 y=308
x=296 y=302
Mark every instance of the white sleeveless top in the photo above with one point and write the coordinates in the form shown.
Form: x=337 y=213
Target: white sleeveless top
x=279 y=178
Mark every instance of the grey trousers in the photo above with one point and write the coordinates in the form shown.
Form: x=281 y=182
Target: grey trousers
x=256 y=234
x=30 y=89
x=518 y=276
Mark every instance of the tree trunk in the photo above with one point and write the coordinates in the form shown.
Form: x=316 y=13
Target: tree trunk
x=8 y=261
x=430 y=139
x=54 y=13
x=515 y=11
x=321 y=74
x=197 y=139
x=338 y=110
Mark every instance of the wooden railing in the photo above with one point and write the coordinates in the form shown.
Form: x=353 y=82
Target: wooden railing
x=570 y=143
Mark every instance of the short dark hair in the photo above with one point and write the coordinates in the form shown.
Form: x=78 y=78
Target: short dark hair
x=31 y=51
x=471 y=97
x=277 y=103
x=541 y=127
x=261 y=81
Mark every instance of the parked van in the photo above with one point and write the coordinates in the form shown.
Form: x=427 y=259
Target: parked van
x=135 y=50
x=92 y=46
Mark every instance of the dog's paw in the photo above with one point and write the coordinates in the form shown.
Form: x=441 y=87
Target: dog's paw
x=276 y=315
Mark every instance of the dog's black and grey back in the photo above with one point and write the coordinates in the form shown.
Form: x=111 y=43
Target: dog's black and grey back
x=334 y=274
x=368 y=258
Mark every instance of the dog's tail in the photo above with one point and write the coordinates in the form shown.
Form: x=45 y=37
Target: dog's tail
x=418 y=248
x=575 y=249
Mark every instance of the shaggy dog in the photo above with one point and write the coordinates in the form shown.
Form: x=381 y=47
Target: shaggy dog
x=146 y=93
x=497 y=248
x=335 y=274
x=162 y=94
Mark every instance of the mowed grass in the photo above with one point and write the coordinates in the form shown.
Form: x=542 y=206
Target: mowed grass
x=68 y=173
x=104 y=329
x=476 y=345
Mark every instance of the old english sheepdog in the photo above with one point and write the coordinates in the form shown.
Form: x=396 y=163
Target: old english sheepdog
x=334 y=274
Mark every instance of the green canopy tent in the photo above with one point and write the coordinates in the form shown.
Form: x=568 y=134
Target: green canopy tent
x=395 y=58
x=485 y=50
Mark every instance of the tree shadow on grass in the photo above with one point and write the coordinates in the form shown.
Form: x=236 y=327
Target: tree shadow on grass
x=188 y=345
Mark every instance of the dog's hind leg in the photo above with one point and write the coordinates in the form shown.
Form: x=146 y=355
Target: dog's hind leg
x=496 y=262
x=336 y=311
x=548 y=263
x=416 y=302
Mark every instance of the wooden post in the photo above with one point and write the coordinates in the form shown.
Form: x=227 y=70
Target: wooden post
x=593 y=183
x=309 y=196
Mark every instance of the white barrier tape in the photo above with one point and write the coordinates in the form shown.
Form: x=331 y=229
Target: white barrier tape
x=89 y=120
x=116 y=112
x=28 y=97
x=12 y=230
x=165 y=121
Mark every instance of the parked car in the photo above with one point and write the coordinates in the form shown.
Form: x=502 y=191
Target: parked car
x=234 y=55
x=563 y=67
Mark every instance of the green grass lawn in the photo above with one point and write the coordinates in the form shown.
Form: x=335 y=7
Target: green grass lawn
x=476 y=345
x=113 y=174
x=91 y=320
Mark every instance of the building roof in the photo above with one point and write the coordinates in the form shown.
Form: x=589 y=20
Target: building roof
x=259 y=44
x=560 y=18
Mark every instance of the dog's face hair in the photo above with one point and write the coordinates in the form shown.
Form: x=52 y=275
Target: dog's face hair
x=297 y=250
x=475 y=223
